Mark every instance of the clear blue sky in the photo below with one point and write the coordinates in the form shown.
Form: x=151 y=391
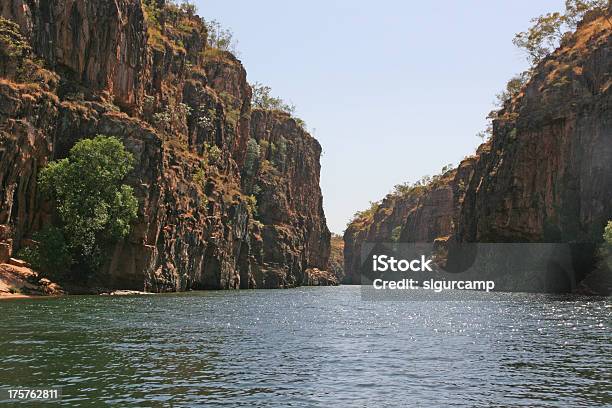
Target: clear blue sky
x=394 y=89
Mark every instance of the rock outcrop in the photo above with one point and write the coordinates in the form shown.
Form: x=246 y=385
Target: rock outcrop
x=285 y=182
x=545 y=175
x=20 y=281
x=142 y=72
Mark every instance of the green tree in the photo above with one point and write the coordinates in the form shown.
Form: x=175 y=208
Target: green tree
x=94 y=206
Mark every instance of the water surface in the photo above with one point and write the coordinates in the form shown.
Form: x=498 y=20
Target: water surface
x=315 y=347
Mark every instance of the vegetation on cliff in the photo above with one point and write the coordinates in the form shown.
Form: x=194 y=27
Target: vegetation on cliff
x=227 y=189
x=547 y=33
x=550 y=30
x=543 y=173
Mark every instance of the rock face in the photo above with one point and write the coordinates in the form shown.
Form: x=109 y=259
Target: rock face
x=382 y=223
x=142 y=73
x=290 y=205
x=421 y=213
x=544 y=176
x=547 y=175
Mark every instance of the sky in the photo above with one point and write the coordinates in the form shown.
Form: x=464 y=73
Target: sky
x=393 y=90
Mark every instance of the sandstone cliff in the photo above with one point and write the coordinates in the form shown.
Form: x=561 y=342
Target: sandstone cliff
x=544 y=176
x=547 y=175
x=142 y=72
x=381 y=223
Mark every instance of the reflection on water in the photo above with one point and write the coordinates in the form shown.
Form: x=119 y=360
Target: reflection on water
x=310 y=347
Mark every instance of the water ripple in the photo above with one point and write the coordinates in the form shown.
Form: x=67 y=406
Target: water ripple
x=310 y=347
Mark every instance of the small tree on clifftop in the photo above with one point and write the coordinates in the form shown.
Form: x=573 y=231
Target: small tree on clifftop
x=220 y=38
x=262 y=98
x=548 y=30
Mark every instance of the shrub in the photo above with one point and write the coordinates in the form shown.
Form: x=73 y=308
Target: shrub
x=366 y=214
x=395 y=234
x=17 y=59
x=513 y=88
x=94 y=206
x=200 y=177
x=252 y=157
x=300 y=123
x=51 y=254
x=251 y=202
x=12 y=43
x=172 y=114
x=214 y=154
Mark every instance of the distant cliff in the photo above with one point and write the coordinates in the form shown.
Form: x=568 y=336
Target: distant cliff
x=228 y=195
x=545 y=175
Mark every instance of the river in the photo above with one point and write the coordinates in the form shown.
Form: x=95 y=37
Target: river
x=314 y=347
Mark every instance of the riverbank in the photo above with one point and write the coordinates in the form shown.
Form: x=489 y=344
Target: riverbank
x=19 y=281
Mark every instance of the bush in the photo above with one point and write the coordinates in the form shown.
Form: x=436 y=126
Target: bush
x=252 y=157
x=213 y=154
x=51 y=254
x=94 y=206
x=251 y=202
x=200 y=177
x=513 y=88
x=395 y=233
x=366 y=214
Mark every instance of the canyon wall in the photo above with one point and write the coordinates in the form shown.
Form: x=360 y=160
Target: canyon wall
x=545 y=175
x=378 y=224
x=210 y=216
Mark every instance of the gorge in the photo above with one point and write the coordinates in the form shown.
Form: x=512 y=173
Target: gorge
x=228 y=190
